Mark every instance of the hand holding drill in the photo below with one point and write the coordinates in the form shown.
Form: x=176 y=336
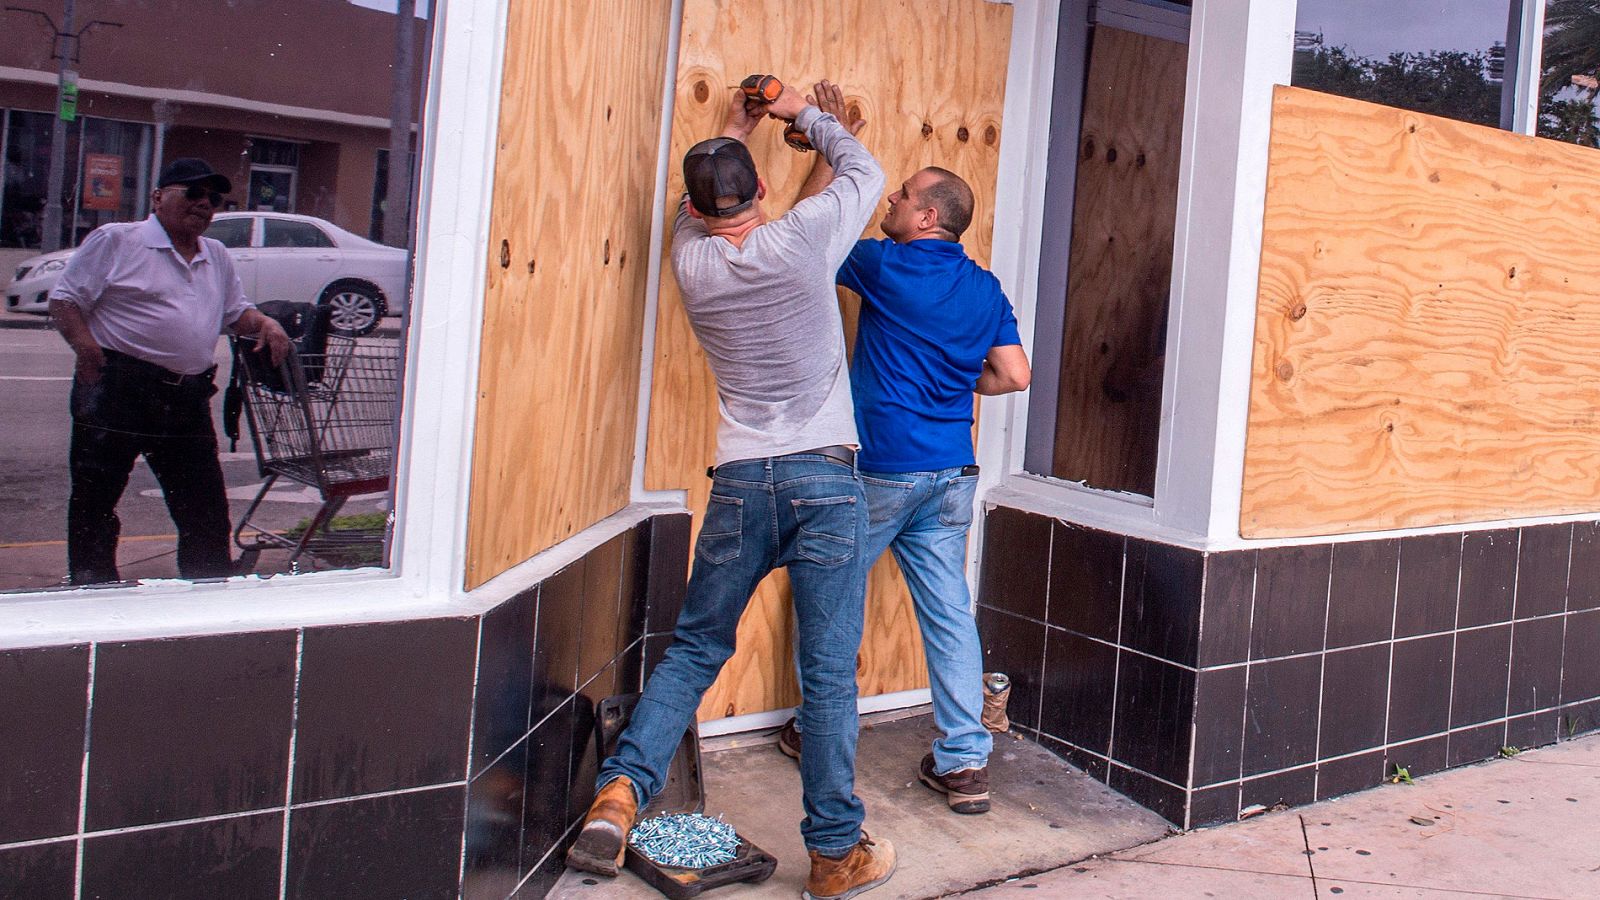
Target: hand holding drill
x=766 y=94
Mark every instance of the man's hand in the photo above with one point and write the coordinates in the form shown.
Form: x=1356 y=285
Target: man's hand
x=790 y=103
x=743 y=117
x=274 y=338
x=91 y=360
x=830 y=99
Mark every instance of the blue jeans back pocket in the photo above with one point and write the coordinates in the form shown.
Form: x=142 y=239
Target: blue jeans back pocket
x=827 y=534
x=955 y=507
x=722 y=535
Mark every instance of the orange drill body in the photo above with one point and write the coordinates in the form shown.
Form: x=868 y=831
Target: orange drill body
x=763 y=90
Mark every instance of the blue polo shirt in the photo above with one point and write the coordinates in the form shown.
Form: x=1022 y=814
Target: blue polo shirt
x=929 y=316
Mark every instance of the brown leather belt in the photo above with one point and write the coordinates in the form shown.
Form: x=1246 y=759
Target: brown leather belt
x=159 y=374
x=836 y=452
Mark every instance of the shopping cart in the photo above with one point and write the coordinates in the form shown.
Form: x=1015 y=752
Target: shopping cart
x=327 y=421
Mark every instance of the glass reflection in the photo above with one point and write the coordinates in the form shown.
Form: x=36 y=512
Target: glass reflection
x=1442 y=57
x=1570 y=77
x=299 y=105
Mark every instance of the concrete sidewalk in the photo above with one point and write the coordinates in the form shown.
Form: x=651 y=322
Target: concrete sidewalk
x=1520 y=827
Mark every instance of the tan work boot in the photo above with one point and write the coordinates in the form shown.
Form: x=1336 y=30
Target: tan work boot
x=604 y=837
x=867 y=865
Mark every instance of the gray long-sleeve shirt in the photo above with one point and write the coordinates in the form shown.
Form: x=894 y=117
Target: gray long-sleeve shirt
x=767 y=314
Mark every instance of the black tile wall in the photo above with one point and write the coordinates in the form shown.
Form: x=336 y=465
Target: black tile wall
x=1488 y=577
x=1015 y=646
x=559 y=641
x=669 y=561
x=384 y=707
x=1161 y=607
x=1086 y=580
x=1361 y=595
x=505 y=677
x=1287 y=673
x=1580 y=661
x=1583 y=577
x=601 y=605
x=40 y=871
x=1219 y=724
x=1430 y=574
x=634 y=604
x=1419 y=687
x=1483 y=658
x=1155 y=708
x=494 y=825
x=41 y=743
x=544 y=814
x=1295 y=787
x=151 y=700
x=655 y=647
x=1225 y=609
x=1542 y=562
x=398 y=845
x=238 y=857
x=1020 y=586
x=1079 y=678
x=1535 y=664
x=1355 y=697
x=1291 y=600
x=1280 y=727
x=1337 y=777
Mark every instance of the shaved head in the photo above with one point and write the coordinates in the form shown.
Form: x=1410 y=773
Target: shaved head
x=950 y=195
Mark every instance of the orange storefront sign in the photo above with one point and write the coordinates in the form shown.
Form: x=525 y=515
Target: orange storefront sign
x=102 y=181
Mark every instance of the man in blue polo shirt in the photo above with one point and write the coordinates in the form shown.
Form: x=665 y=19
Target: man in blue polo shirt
x=935 y=327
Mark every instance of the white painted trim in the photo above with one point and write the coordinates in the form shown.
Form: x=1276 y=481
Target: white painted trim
x=762 y=721
x=652 y=288
x=199 y=98
x=1530 y=50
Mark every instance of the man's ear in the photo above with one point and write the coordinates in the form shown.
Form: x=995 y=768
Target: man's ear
x=688 y=206
x=761 y=188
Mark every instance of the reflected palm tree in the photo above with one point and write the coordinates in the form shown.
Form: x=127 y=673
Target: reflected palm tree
x=1571 y=43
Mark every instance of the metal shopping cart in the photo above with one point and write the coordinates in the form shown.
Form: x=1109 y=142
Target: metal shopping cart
x=325 y=420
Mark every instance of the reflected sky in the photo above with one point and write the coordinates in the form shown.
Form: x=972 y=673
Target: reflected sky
x=1378 y=27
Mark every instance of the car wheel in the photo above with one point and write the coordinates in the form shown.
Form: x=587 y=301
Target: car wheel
x=354 y=309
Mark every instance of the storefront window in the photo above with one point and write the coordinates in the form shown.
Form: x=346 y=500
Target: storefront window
x=1570 y=77
x=1442 y=57
x=290 y=102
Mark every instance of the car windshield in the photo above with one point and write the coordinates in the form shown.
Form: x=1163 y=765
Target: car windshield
x=233 y=233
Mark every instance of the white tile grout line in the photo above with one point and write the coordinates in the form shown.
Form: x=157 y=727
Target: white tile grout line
x=543 y=859
x=288 y=786
x=1394 y=624
x=472 y=721
x=1511 y=636
x=1455 y=639
x=1566 y=609
x=1322 y=669
x=1044 y=649
x=1194 y=702
x=1116 y=665
x=83 y=775
x=1244 y=714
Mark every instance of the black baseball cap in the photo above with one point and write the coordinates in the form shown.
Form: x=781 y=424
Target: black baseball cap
x=720 y=167
x=188 y=170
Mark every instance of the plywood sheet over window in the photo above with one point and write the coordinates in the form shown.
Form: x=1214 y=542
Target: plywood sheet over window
x=1119 y=277
x=929 y=78
x=580 y=121
x=1428 y=329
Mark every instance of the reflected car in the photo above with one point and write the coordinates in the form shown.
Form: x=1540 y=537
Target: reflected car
x=279 y=256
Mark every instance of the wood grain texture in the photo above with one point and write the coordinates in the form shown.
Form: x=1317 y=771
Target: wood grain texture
x=1428 y=324
x=1108 y=406
x=564 y=306
x=929 y=78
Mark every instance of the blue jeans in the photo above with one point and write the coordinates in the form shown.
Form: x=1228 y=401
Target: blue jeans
x=923 y=517
x=807 y=513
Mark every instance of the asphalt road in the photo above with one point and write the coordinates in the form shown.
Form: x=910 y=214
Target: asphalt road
x=35 y=379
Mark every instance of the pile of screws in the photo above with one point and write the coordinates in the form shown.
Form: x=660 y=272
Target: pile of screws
x=685 y=841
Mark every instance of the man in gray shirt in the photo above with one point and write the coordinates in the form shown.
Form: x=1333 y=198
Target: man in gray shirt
x=785 y=491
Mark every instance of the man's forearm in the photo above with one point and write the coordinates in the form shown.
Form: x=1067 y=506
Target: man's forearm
x=70 y=324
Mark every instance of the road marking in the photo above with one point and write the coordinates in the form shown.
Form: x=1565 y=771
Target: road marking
x=126 y=537
x=35 y=377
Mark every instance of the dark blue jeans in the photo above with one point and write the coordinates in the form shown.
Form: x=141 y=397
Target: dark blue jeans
x=807 y=513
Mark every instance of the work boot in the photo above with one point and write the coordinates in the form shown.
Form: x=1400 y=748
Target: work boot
x=868 y=864
x=966 y=790
x=789 y=739
x=604 y=837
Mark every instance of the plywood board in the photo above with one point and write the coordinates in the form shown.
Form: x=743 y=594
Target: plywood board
x=929 y=78
x=1119 y=276
x=1428 y=324
x=568 y=258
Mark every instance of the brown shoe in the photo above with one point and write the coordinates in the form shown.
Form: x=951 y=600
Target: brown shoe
x=867 y=865
x=604 y=837
x=966 y=790
x=789 y=739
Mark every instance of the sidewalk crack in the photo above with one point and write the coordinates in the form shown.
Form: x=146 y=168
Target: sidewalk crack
x=1310 y=865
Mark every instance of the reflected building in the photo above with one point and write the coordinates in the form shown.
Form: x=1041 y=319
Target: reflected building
x=290 y=100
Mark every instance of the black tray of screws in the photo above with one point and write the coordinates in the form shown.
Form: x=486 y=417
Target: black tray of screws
x=684 y=792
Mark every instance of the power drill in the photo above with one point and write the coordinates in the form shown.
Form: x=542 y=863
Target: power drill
x=763 y=90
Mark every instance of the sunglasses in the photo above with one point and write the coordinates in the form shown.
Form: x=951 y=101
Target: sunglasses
x=195 y=192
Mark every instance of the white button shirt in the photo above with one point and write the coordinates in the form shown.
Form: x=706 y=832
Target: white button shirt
x=141 y=298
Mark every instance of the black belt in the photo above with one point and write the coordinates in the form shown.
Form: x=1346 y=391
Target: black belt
x=836 y=452
x=160 y=374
